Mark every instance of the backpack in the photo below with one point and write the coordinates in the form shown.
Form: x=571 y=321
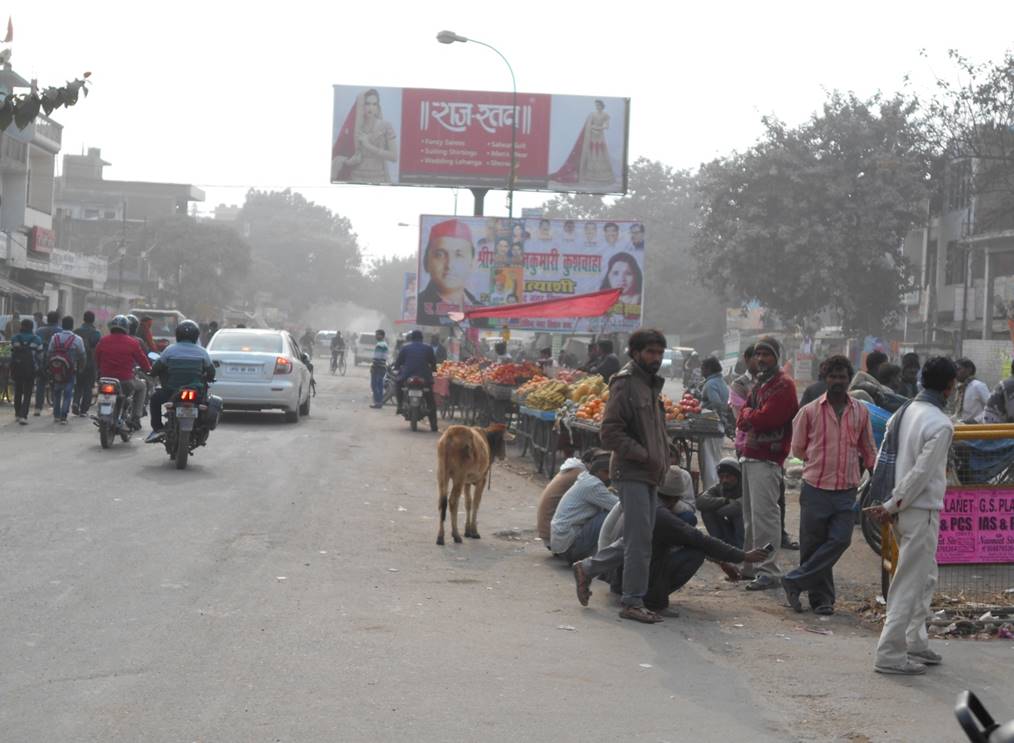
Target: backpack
x=59 y=365
x=22 y=359
x=884 y=476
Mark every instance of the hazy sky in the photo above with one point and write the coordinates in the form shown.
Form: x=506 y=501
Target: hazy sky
x=233 y=95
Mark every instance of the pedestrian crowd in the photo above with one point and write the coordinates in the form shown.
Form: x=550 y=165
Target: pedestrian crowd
x=626 y=515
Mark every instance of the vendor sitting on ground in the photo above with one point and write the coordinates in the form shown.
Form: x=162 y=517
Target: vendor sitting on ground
x=721 y=506
x=574 y=531
x=677 y=549
x=560 y=484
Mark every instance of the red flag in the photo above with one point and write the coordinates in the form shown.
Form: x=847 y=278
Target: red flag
x=10 y=31
x=595 y=304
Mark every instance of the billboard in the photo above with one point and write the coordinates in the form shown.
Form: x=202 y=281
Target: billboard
x=462 y=139
x=466 y=262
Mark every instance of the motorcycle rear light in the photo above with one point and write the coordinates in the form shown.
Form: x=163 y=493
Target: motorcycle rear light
x=283 y=365
x=188 y=395
x=108 y=389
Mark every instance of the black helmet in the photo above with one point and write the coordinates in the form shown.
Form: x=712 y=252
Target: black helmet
x=188 y=331
x=133 y=322
x=119 y=323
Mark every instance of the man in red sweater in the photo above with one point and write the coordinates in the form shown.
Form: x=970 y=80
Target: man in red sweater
x=115 y=357
x=767 y=421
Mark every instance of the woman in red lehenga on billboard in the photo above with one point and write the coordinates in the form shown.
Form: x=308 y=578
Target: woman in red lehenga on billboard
x=588 y=161
x=365 y=144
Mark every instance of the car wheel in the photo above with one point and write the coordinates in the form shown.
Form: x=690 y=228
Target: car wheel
x=304 y=409
x=292 y=416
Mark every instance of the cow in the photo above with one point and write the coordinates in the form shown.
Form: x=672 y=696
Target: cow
x=464 y=459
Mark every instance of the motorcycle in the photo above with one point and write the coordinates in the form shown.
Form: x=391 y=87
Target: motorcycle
x=977 y=724
x=415 y=403
x=190 y=416
x=114 y=412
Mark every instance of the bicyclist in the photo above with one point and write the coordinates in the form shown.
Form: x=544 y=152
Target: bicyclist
x=337 y=348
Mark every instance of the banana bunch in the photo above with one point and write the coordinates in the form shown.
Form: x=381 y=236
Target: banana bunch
x=549 y=397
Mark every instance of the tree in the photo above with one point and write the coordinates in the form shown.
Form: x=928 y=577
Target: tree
x=303 y=253
x=204 y=263
x=813 y=217
x=974 y=122
x=387 y=281
x=664 y=200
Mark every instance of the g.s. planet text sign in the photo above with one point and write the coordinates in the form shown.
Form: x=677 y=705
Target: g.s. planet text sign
x=977 y=526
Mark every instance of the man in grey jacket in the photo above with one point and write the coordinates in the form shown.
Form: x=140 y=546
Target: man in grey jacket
x=924 y=437
x=633 y=429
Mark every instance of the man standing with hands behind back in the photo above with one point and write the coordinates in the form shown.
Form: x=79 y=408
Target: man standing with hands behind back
x=922 y=439
x=767 y=420
x=633 y=429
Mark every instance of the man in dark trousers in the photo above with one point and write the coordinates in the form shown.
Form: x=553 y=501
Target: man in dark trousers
x=633 y=429
x=767 y=420
x=834 y=438
x=85 y=381
x=45 y=333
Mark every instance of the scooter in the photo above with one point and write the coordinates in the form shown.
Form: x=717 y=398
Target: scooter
x=114 y=413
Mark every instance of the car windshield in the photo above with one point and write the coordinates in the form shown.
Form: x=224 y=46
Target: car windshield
x=163 y=326
x=247 y=342
x=368 y=339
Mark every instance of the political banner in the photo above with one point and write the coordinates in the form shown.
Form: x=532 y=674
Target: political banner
x=408 y=297
x=468 y=262
x=463 y=139
x=977 y=526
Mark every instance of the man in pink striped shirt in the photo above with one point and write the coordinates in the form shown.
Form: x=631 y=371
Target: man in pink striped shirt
x=834 y=438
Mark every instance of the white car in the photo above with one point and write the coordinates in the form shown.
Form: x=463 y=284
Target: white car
x=260 y=370
x=362 y=352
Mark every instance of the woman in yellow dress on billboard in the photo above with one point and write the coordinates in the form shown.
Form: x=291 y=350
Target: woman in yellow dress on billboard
x=588 y=161
x=365 y=144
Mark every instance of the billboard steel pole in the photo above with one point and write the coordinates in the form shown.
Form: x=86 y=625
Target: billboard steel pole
x=449 y=37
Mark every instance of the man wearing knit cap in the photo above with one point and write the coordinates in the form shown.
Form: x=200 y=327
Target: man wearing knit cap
x=767 y=420
x=448 y=260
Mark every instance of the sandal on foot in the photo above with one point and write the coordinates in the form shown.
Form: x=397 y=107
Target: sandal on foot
x=640 y=614
x=582 y=584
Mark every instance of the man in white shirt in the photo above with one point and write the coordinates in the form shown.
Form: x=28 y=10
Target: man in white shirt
x=924 y=437
x=574 y=530
x=972 y=394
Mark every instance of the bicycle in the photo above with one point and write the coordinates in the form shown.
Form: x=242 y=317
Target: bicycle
x=338 y=363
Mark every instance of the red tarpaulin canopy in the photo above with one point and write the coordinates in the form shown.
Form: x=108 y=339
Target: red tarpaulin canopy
x=595 y=304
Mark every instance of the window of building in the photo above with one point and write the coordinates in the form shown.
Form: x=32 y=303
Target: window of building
x=41 y=166
x=956 y=264
x=959 y=185
x=109 y=215
x=91 y=213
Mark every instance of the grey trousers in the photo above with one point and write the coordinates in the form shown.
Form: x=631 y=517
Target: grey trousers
x=762 y=519
x=911 y=591
x=633 y=550
x=826 y=521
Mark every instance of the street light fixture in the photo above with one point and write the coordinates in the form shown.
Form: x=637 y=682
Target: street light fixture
x=449 y=37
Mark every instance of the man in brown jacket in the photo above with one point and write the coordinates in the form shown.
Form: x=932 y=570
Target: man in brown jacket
x=633 y=429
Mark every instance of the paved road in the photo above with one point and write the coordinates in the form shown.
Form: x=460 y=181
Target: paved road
x=286 y=587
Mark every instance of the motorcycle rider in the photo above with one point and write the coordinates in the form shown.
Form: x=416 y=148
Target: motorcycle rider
x=337 y=347
x=115 y=356
x=182 y=364
x=133 y=324
x=416 y=359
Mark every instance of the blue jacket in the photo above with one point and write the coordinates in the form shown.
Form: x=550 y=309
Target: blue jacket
x=416 y=359
x=183 y=364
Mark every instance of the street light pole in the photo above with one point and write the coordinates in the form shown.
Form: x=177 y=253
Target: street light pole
x=449 y=37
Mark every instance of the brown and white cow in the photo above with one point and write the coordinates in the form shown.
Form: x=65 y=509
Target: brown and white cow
x=464 y=458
